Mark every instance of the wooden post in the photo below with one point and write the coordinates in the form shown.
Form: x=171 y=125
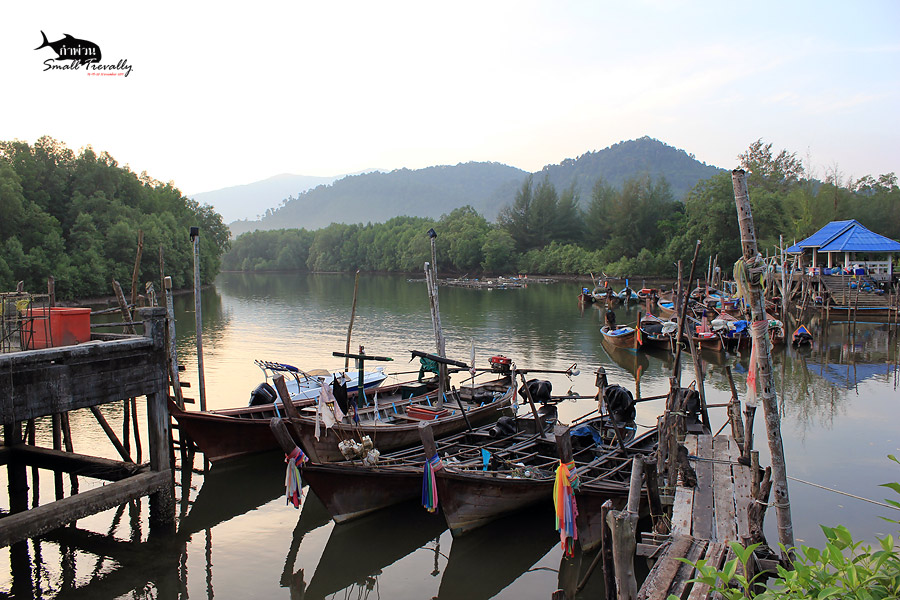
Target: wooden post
x=162 y=502
x=198 y=318
x=676 y=369
x=651 y=476
x=352 y=317
x=701 y=389
x=734 y=413
x=428 y=443
x=606 y=551
x=431 y=283
x=764 y=364
x=137 y=268
x=537 y=418
x=171 y=353
x=623 y=524
x=289 y=408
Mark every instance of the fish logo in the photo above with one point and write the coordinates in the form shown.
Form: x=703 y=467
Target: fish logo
x=70 y=48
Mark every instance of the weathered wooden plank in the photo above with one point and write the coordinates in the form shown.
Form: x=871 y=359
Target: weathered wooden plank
x=741 y=475
x=663 y=572
x=723 y=492
x=686 y=571
x=30 y=523
x=702 y=520
x=77 y=464
x=715 y=557
x=42 y=382
x=684 y=497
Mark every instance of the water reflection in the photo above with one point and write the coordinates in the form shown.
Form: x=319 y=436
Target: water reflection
x=358 y=552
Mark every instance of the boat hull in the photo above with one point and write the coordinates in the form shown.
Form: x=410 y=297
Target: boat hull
x=471 y=501
x=626 y=340
x=352 y=493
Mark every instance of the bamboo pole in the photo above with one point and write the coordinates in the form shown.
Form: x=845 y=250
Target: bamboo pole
x=352 y=317
x=764 y=364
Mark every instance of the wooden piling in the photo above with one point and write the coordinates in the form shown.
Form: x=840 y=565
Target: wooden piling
x=198 y=317
x=623 y=524
x=764 y=363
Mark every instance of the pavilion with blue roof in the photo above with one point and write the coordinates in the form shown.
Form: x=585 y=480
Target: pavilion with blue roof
x=850 y=238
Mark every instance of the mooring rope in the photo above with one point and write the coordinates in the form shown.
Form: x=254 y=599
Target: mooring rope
x=828 y=489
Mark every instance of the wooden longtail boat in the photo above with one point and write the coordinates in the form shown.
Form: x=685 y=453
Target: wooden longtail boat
x=350 y=489
x=234 y=432
x=623 y=337
x=472 y=493
x=630 y=359
x=652 y=335
x=391 y=423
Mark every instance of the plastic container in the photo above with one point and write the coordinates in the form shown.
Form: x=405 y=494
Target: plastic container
x=63 y=327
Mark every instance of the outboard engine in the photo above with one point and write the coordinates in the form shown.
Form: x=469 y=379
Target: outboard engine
x=503 y=427
x=539 y=388
x=620 y=403
x=263 y=394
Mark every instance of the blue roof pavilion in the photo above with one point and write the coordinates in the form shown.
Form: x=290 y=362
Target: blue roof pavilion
x=848 y=237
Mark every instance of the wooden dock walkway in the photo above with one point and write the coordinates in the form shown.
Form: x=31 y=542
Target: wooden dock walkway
x=705 y=518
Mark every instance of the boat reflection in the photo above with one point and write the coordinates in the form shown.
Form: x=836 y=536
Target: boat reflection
x=358 y=551
x=485 y=561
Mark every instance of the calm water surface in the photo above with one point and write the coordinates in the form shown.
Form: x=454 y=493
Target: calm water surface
x=236 y=538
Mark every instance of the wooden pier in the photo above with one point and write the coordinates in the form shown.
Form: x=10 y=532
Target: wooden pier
x=705 y=519
x=54 y=381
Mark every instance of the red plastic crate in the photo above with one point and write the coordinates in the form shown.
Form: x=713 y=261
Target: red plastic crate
x=64 y=326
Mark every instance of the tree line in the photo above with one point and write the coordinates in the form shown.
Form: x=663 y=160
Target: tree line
x=637 y=229
x=77 y=217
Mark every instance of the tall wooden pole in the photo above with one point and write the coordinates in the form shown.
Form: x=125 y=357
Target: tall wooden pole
x=432 y=283
x=352 y=317
x=198 y=317
x=764 y=361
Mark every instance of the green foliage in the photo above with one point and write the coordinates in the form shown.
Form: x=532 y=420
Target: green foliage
x=845 y=568
x=77 y=218
x=634 y=228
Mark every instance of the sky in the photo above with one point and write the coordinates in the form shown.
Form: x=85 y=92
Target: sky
x=223 y=93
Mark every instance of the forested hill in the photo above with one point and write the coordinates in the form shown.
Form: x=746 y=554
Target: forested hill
x=487 y=187
x=625 y=160
x=376 y=197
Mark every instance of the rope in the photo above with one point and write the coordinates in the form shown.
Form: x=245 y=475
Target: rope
x=842 y=493
x=828 y=489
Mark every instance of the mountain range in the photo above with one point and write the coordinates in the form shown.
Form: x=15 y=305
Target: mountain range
x=377 y=196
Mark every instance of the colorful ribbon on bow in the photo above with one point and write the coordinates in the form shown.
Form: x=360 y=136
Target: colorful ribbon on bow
x=292 y=482
x=564 y=503
x=429 y=483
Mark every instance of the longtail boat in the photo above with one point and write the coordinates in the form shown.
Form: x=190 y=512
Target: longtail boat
x=352 y=488
x=389 y=422
x=235 y=432
x=623 y=337
x=478 y=489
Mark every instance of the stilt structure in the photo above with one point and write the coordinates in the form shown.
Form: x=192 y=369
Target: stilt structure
x=37 y=383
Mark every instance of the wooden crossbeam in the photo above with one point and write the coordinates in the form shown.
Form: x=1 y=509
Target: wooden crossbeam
x=69 y=462
x=34 y=522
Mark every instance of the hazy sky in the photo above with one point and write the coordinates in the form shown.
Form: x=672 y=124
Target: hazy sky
x=228 y=93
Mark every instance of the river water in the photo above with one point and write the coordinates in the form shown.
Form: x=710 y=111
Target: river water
x=236 y=538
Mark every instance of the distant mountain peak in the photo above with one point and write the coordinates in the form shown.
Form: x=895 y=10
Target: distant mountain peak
x=377 y=196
